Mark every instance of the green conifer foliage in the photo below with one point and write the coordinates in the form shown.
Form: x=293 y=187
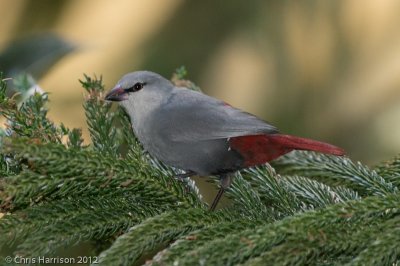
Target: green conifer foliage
x=305 y=209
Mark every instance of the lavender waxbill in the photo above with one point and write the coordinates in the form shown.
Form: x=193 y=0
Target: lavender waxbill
x=200 y=134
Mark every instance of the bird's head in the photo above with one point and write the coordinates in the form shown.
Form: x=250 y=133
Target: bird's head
x=139 y=86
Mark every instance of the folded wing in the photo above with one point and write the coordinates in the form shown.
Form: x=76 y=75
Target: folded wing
x=193 y=116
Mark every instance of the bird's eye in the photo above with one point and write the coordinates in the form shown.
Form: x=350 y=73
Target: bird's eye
x=138 y=86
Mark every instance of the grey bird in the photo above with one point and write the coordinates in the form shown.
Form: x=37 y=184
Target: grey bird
x=199 y=134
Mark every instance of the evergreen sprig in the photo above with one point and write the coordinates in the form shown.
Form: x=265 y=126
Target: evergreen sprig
x=38 y=219
x=98 y=116
x=311 y=225
x=53 y=171
x=155 y=231
x=390 y=170
x=200 y=238
x=29 y=118
x=56 y=192
x=335 y=170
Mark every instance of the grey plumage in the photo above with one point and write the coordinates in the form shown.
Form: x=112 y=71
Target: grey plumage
x=184 y=128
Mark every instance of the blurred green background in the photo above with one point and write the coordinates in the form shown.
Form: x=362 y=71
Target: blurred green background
x=328 y=70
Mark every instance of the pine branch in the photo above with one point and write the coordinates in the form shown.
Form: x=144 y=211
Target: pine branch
x=248 y=199
x=384 y=249
x=252 y=243
x=93 y=226
x=134 y=150
x=272 y=192
x=64 y=172
x=200 y=238
x=330 y=240
x=155 y=231
x=316 y=194
x=390 y=170
x=27 y=117
x=74 y=212
x=98 y=116
x=334 y=169
x=30 y=118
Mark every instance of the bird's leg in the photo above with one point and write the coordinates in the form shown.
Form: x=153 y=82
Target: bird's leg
x=181 y=177
x=225 y=182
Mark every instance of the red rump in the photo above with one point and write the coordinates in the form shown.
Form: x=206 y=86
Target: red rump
x=259 y=149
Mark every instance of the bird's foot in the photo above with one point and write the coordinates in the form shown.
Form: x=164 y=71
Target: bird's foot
x=182 y=177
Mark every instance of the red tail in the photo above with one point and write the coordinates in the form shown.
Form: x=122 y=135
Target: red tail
x=259 y=149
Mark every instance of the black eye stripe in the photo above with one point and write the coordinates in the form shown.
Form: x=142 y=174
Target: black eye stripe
x=138 y=86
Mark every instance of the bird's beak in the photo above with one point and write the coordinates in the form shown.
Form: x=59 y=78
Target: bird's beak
x=116 y=95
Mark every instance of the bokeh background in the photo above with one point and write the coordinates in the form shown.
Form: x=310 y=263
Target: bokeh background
x=328 y=70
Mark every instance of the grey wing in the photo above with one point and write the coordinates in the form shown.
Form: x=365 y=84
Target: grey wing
x=193 y=116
